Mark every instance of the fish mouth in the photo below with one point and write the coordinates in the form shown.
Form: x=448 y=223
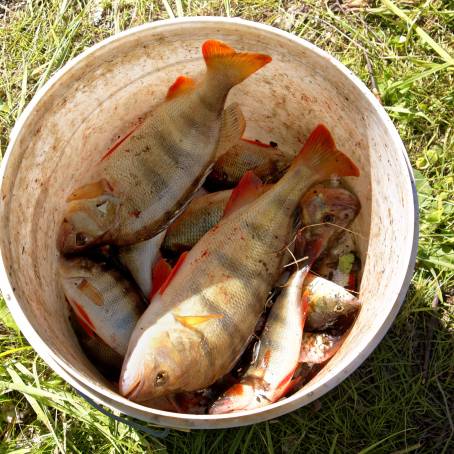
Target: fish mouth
x=134 y=389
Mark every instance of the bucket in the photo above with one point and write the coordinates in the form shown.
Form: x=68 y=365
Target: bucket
x=97 y=96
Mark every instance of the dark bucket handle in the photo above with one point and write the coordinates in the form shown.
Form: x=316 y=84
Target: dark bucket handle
x=133 y=424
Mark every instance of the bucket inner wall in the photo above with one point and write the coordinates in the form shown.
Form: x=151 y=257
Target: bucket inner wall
x=98 y=99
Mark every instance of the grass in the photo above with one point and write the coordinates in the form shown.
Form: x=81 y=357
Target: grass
x=400 y=400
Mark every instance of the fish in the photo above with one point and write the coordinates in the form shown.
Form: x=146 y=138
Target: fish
x=201 y=215
x=266 y=161
x=140 y=259
x=268 y=377
x=326 y=211
x=198 y=218
x=201 y=319
x=341 y=263
x=103 y=299
x=317 y=348
x=106 y=359
x=328 y=303
x=145 y=179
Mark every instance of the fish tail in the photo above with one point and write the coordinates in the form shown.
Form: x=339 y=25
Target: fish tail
x=320 y=154
x=234 y=66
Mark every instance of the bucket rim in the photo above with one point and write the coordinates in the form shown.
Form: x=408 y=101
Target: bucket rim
x=357 y=355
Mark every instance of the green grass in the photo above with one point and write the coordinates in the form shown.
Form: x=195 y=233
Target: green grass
x=400 y=399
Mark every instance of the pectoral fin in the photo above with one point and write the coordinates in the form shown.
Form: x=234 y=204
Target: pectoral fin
x=90 y=191
x=91 y=292
x=193 y=320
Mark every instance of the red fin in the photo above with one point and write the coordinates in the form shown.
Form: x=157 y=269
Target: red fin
x=351 y=285
x=85 y=326
x=257 y=142
x=83 y=315
x=313 y=248
x=320 y=153
x=173 y=272
x=119 y=142
x=236 y=66
x=248 y=189
x=159 y=274
x=181 y=85
x=305 y=304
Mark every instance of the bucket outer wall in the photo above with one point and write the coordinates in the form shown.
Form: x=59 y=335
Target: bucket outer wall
x=77 y=115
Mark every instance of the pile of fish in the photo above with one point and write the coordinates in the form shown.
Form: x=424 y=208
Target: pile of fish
x=206 y=272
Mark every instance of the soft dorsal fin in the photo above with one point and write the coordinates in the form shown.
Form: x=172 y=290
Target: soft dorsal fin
x=181 y=85
x=190 y=321
x=248 y=189
x=233 y=125
x=173 y=272
x=159 y=274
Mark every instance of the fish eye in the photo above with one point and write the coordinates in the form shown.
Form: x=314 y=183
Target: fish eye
x=338 y=308
x=161 y=378
x=81 y=239
x=102 y=207
x=329 y=218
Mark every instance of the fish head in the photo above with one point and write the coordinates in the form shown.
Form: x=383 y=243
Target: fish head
x=328 y=210
x=76 y=268
x=329 y=303
x=86 y=222
x=155 y=366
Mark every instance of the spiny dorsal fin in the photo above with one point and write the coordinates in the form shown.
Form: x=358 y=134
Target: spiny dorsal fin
x=257 y=142
x=181 y=85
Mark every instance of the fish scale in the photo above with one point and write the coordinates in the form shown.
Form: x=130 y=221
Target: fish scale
x=235 y=265
x=113 y=317
x=153 y=171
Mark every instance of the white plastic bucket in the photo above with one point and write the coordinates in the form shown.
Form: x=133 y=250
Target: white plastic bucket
x=81 y=111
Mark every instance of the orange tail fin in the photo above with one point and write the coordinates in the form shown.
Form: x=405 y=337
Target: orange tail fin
x=235 y=66
x=320 y=154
